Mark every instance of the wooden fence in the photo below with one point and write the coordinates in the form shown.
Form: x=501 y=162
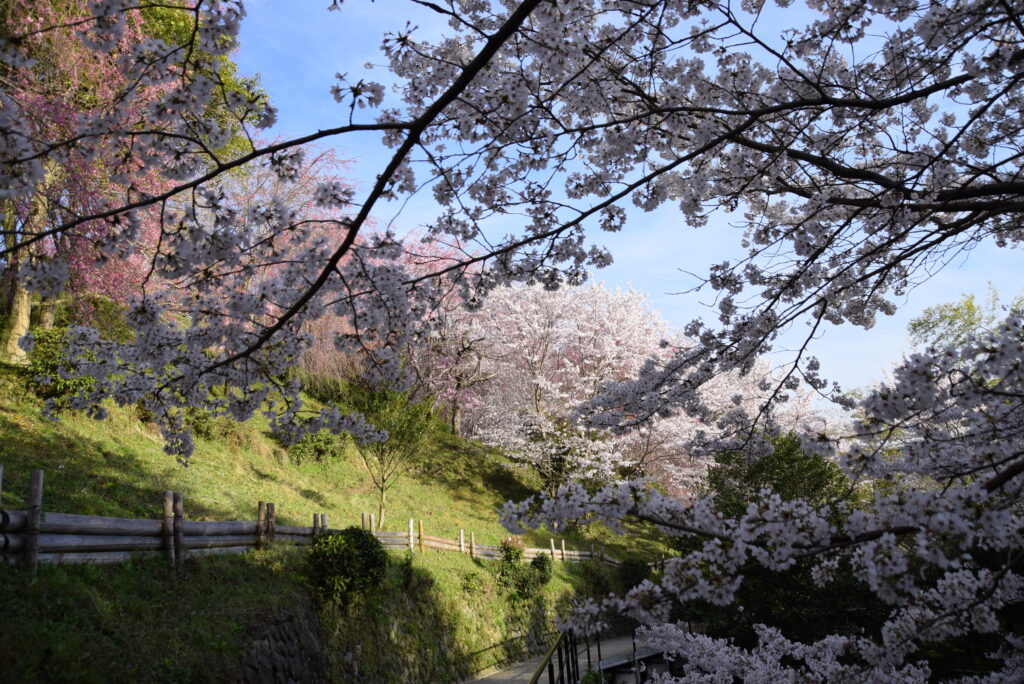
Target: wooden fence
x=414 y=539
x=70 y=538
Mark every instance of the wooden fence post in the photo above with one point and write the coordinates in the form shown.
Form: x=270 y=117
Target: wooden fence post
x=363 y=521
x=421 y=536
x=323 y=523
x=261 y=524
x=316 y=525
x=472 y=544
x=563 y=549
x=553 y=548
x=168 y=528
x=411 y=534
x=34 y=510
x=179 y=529
x=373 y=522
x=271 y=522
x=462 y=541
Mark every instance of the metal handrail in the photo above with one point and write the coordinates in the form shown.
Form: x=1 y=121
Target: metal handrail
x=564 y=649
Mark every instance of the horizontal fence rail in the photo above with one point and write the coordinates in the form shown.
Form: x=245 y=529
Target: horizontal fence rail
x=72 y=538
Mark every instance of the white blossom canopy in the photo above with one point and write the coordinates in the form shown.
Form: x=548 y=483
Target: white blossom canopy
x=864 y=148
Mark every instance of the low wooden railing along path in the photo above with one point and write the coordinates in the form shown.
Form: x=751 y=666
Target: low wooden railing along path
x=71 y=538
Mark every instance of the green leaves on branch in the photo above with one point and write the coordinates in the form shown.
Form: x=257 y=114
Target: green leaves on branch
x=954 y=323
x=736 y=479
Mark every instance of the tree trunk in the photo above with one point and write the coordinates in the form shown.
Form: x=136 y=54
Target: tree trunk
x=16 y=326
x=456 y=419
x=380 y=509
x=47 y=313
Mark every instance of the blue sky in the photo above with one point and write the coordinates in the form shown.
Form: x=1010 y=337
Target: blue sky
x=297 y=47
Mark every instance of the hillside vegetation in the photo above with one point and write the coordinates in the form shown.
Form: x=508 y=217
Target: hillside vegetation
x=438 y=616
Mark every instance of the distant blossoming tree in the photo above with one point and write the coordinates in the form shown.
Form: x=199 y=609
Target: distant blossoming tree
x=540 y=354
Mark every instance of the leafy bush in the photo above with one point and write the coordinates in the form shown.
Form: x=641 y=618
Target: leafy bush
x=99 y=312
x=345 y=563
x=511 y=551
x=509 y=564
x=522 y=581
x=45 y=362
x=317 y=447
x=632 y=572
x=472 y=582
x=47 y=359
x=543 y=568
x=200 y=422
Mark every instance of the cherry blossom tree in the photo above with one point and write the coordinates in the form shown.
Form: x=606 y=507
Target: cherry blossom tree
x=546 y=352
x=65 y=81
x=449 y=363
x=860 y=150
x=542 y=353
x=248 y=190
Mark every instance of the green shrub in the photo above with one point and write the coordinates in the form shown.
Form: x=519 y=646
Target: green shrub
x=99 y=312
x=318 y=447
x=472 y=582
x=522 y=582
x=200 y=422
x=543 y=568
x=632 y=572
x=45 y=362
x=511 y=551
x=346 y=563
x=509 y=563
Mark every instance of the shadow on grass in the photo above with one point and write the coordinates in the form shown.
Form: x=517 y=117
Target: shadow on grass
x=85 y=476
x=535 y=635
x=405 y=632
x=467 y=467
x=262 y=476
x=314 y=496
x=399 y=632
x=141 y=621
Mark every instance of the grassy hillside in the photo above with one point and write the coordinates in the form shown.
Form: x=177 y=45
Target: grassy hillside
x=118 y=467
x=441 y=615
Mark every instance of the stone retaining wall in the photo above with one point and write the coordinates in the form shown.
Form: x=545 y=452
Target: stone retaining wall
x=287 y=649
